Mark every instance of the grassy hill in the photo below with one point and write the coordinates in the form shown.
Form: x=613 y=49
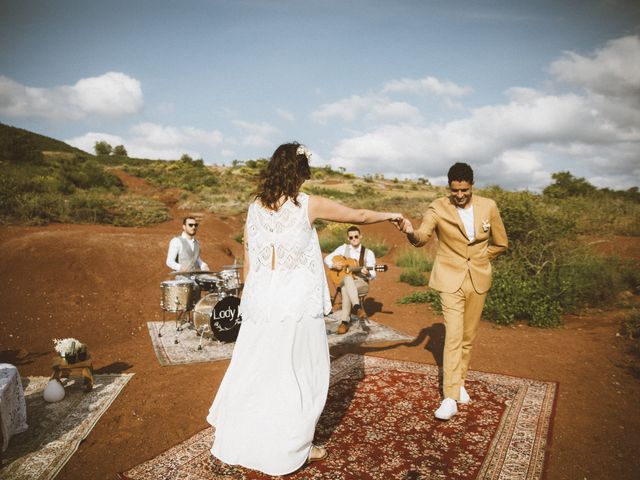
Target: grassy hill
x=22 y=145
x=547 y=271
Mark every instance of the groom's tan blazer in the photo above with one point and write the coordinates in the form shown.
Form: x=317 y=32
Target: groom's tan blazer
x=456 y=254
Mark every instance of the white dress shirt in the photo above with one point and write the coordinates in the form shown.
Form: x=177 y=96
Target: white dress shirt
x=369 y=257
x=466 y=215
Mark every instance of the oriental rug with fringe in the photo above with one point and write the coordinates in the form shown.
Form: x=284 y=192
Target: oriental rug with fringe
x=378 y=423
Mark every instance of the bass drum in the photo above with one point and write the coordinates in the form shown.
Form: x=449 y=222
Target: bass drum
x=220 y=313
x=202 y=312
x=226 y=319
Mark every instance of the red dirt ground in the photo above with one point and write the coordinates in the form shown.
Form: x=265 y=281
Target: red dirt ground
x=101 y=284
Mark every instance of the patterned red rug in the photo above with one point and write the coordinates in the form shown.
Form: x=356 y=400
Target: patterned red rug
x=379 y=424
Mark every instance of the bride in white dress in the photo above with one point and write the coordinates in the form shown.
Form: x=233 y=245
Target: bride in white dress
x=275 y=388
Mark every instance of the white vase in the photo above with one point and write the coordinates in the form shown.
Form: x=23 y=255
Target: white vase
x=54 y=391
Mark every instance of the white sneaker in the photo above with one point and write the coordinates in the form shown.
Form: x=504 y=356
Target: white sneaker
x=464 y=397
x=448 y=409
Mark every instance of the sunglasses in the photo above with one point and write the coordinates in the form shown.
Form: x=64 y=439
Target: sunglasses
x=192 y=224
x=352 y=237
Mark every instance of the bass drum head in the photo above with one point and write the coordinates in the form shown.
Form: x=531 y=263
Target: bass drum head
x=226 y=319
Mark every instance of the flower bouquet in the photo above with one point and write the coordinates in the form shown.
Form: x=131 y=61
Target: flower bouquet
x=70 y=349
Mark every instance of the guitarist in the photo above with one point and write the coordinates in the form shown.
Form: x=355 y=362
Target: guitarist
x=356 y=284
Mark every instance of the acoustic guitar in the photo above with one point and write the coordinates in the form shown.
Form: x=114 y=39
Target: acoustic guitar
x=350 y=267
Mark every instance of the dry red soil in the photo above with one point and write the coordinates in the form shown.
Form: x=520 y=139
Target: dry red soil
x=101 y=284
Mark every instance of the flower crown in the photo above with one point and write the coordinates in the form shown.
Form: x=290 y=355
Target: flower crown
x=302 y=150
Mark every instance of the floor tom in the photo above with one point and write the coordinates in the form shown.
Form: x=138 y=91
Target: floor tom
x=177 y=295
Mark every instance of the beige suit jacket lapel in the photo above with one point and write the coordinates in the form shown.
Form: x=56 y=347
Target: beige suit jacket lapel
x=479 y=214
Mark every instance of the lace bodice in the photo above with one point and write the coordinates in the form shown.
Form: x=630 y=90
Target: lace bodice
x=285 y=261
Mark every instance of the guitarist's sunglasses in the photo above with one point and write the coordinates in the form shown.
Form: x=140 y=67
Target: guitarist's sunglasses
x=351 y=237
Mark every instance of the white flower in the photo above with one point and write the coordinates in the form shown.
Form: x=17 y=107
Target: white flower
x=485 y=226
x=302 y=150
x=67 y=346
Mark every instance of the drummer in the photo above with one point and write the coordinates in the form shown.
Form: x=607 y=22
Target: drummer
x=184 y=250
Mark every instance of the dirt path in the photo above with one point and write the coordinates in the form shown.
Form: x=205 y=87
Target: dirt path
x=101 y=284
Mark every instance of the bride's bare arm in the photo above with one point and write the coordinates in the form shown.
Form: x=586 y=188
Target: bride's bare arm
x=325 y=209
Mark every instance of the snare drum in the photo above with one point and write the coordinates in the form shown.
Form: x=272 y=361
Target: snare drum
x=231 y=279
x=177 y=295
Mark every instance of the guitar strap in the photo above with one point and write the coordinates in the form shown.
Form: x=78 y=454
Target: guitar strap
x=362 y=252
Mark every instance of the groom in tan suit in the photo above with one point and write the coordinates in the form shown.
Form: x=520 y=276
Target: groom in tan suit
x=470 y=233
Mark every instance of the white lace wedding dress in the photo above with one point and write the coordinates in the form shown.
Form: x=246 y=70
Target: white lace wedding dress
x=272 y=395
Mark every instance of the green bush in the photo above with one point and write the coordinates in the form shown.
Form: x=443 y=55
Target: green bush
x=414 y=258
x=429 y=296
x=89 y=207
x=331 y=193
x=631 y=326
x=414 y=277
x=137 y=211
x=186 y=173
x=39 y=208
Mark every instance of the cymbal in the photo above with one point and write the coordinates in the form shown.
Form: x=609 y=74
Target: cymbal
x=192 y=272
x=237 y=266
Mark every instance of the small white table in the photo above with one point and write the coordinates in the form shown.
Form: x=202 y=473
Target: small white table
x=13 y=409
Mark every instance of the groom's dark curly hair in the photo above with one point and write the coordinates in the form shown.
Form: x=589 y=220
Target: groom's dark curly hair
x=460 y=172
x=286 y=172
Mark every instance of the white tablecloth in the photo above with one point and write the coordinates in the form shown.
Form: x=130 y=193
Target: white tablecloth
x=13 y=409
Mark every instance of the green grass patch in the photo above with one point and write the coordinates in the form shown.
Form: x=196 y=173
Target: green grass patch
x=415 y=259
x=414 y=277
x=429 y=296
x=138 y=211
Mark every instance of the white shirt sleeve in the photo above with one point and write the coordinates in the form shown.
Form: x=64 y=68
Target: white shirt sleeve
x=328 y=260
x=370 y=261
x=174 y=248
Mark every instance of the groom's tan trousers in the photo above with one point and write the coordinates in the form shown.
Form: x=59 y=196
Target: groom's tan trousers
x=462 y=310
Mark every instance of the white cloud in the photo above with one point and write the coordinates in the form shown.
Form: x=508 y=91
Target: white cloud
x=112 y=94
x=593 y=132
x=613 y=70
x=372 y=107
x=258 y=135
x=286 y=114
x=150 y=140
x=427 y=85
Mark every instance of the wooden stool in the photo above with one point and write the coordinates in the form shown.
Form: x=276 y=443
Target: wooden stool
x=60 y=366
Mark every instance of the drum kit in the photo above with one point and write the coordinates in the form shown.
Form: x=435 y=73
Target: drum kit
x=215 y=313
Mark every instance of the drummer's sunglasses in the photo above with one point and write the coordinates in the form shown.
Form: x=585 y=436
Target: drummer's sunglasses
x=192 y=224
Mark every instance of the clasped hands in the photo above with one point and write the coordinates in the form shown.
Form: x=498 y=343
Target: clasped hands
x=403 y=224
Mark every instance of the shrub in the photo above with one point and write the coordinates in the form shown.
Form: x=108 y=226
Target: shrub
x=414 y=277
x=89 y=207
x=137 y=211
x=429 y=296
x=414 y=258
x=631 y=326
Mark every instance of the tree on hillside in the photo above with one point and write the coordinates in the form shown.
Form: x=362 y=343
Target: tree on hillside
x=102 y=148
x=120 y=150
x=566 y=185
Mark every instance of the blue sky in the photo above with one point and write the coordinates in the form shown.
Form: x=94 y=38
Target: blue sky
x=518 y=89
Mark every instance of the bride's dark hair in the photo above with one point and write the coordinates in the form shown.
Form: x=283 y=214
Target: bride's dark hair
x=286 y=172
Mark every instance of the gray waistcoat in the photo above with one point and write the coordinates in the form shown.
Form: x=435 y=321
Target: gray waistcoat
x=186 y=257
